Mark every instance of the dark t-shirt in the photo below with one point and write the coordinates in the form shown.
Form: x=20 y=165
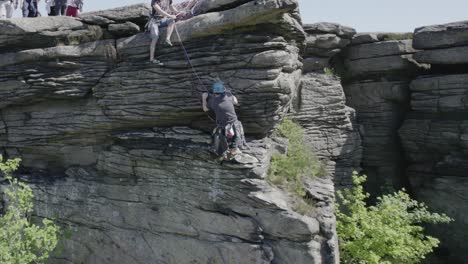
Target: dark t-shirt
x=164 y=4
x=223 y=106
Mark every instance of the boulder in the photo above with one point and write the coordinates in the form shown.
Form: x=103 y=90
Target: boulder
x=250 y=14
x=362 y=38
x=429 y=141
x=447 y=56
x=380 y=108
x=440 y=94
x=215 y=216
x=137 y=14
x=441 y=36
x=20 y=33
x=117 y=150
x=241 y=63
x=403 y=66
x=329 y=125
x=123 y=30
x=207 y=6
x=53 y=73
x=326 y=41
x=331 y=28
x=438 y=191
x=379 y=49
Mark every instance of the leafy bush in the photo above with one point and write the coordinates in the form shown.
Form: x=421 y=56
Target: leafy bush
x=389 y=232
x=287 y=170
x=20 y=240
x=330 y=72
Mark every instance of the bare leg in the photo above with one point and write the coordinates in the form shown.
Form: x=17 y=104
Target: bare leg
x=3 y=10
x=170 y=29
x=9 y=10
x=152 y=48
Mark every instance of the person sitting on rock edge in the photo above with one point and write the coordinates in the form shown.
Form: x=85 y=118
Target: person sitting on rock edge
x=161 y=17
x=228 y=127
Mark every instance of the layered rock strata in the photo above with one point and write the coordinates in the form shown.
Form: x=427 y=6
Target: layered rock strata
x=435 y=133
x=320 y=107
x=376 y=77
x=329 y=127
x=121 y=141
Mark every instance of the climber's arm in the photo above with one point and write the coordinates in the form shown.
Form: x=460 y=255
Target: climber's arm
x=162 y=12
x=204 y=102
x=234 y=100
x=173 y=9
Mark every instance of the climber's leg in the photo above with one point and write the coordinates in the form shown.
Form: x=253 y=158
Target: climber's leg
x=153 y=48
x=153 y=29
x=169 y=23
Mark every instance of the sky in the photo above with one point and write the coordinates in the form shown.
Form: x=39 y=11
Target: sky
x=363 y=15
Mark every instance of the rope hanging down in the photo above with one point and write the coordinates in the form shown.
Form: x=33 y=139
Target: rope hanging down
x=191 y=66
x=188 y=59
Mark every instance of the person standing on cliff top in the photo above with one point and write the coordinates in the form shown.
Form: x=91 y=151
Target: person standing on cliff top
x=60 y=8
x=30 y=8
x=73 y=7
x=161 y=17
x=7 y=7
x=228 y=137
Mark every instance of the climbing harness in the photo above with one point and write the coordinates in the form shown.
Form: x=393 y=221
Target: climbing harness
x=219 y=139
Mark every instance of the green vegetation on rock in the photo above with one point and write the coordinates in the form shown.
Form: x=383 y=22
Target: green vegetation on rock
x=21 y=241
x=287 y=170
x=330 y=72
x=389 y=232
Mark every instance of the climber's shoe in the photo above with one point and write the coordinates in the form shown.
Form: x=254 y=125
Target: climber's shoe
x=167 y=43
x=157 y=62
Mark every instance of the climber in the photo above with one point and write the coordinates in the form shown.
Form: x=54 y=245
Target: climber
x=161 y=17
x=228 y=136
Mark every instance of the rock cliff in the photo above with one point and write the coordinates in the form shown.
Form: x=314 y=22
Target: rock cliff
x=409 y=92
x=435 y=132
x=116 y=149
x=377 y=70
x=320 y=104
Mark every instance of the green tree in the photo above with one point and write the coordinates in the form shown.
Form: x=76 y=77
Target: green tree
x=389 y=232
x=300 y=161
x=21 y=241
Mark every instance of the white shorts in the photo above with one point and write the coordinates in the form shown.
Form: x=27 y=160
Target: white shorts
x=154 y=25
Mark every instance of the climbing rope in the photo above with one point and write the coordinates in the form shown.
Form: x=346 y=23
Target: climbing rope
x=191 y=65
x=188 y=58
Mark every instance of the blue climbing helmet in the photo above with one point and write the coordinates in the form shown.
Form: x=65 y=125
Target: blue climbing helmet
x=218 y=88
